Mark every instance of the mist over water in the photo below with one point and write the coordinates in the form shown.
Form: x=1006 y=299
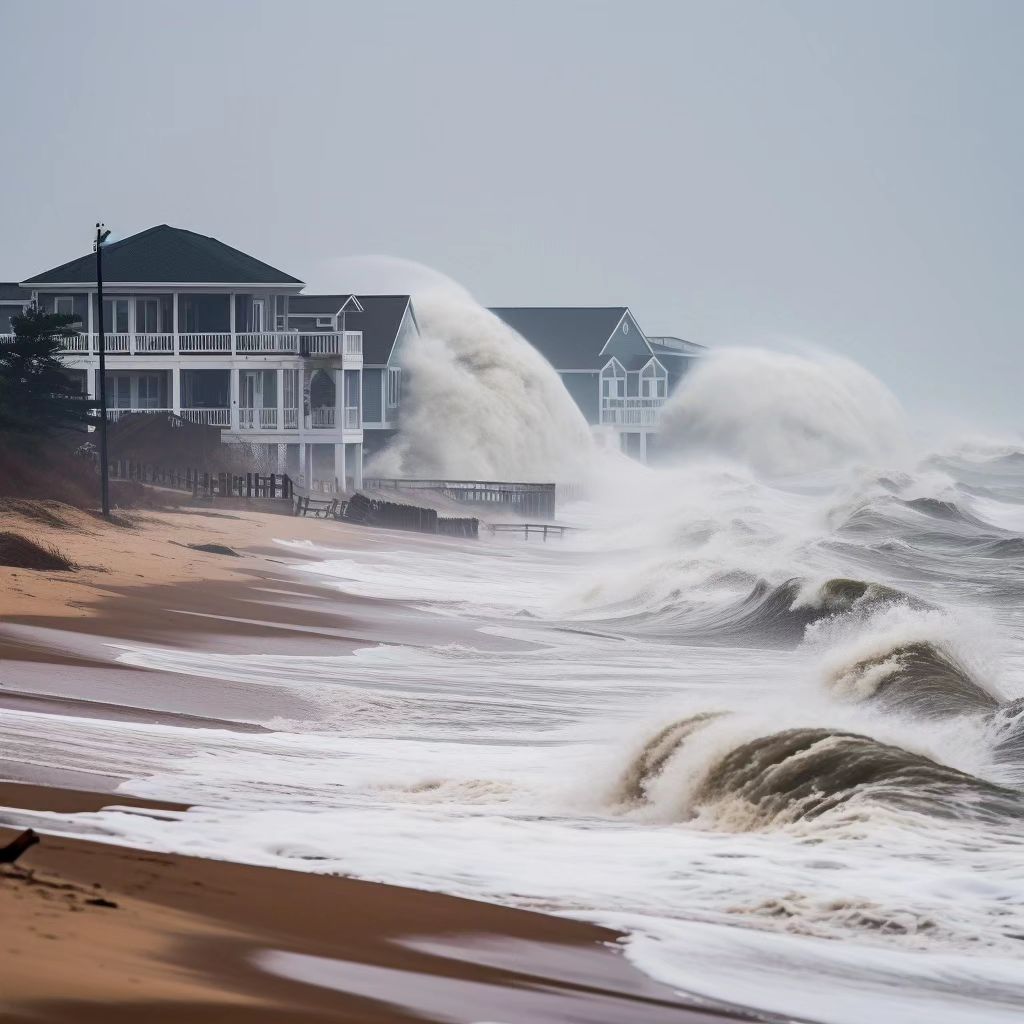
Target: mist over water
x=764 y=712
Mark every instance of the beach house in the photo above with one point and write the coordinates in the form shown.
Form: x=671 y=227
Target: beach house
x=618 y=376
x=200 y=330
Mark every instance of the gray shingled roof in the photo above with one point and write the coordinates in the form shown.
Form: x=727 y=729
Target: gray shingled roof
x=166 y=255
x=13 y=292
x=379 y=322
x=321 y=305
x=569 y=337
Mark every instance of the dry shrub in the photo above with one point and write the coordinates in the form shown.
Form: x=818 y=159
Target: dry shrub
x=19 y=552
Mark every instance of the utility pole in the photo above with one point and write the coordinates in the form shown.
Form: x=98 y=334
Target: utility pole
x=101 y=236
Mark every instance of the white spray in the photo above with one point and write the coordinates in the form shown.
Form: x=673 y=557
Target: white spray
x=482 y=403
x=784 y=413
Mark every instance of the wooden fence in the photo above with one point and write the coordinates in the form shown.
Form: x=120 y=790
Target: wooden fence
x=204 y=484
x=392 y=515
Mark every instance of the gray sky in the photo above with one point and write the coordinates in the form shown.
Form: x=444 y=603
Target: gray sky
x=847 y=174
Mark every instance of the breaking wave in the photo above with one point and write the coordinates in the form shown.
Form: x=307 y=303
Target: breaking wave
x=481 y=403
x=782 y=413
x=803 y=773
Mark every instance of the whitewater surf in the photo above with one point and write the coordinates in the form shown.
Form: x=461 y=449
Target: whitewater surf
x=763 y=712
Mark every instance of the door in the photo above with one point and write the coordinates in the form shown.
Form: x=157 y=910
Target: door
x=257 y=316
x=115 y=316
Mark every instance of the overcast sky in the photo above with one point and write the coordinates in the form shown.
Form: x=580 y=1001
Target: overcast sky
x=847 y=174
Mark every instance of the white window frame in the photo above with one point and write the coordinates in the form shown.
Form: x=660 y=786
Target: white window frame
x=69 y=299
x=325 y=321
x=394 y=387
x=613 y=381
x=654 y=380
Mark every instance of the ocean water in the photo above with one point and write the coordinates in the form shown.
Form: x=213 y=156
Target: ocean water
x=768 y=723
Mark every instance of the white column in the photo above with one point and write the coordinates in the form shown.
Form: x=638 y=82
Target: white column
x=357 y=469
x=176 y=390
x=174 y=319
x=339 y=401
x=280 y=401
x=306 y=461
x=92 y=383
x=339 y=466
x=231 y=320
x=234 y=398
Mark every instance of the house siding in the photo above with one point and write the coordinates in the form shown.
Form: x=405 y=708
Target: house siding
x=373 y=406
x=585 y=390
x=626 y=346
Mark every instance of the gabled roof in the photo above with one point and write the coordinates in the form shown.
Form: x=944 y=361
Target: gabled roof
x=569 y=337
x=380 y=321
x=166 y=255
x=11 y=292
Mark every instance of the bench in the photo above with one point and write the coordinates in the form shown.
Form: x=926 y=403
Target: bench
x=319 y=508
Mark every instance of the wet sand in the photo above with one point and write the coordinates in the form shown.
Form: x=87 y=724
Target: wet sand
x=207 y=940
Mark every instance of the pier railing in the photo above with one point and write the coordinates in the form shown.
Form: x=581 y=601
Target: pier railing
x=525 y=499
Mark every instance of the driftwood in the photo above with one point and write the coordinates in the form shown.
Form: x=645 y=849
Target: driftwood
x=14 y=849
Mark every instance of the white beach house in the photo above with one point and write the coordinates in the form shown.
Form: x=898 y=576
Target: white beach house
x=199 y=329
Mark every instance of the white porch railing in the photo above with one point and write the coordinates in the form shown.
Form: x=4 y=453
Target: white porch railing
x=154 y=343
x=216 y=342
x=351 y=417
x=631 y=412
x=113 y=415
x=320 y=343
x=322 y=417
x=114 y=343
x=291 y=419
x=268 y=342
x=257 y=419
x=208 y=417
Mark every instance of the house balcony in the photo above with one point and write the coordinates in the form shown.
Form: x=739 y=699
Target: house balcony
x=312 y=344
x=631 y=412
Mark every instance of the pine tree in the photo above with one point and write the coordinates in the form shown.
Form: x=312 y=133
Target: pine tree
x=37 y=396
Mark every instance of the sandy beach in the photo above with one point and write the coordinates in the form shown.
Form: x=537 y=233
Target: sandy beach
x=102 y=932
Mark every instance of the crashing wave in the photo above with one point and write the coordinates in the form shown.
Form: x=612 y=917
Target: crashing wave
x=914 y=678
x=803 y=773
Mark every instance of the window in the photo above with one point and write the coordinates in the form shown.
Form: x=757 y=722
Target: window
x=613 y=381
x=147 y=316
x=257 y=316
x=654 y=381
x=394 y=388
x=64 y=304
x=324 y=321
x=149 y=391
x=115 y=316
